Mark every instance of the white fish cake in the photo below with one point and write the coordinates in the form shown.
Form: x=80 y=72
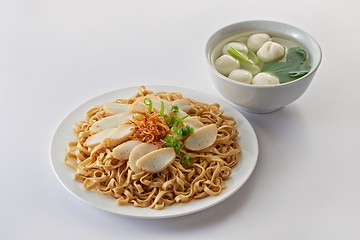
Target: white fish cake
x=157 y=160
x=123 y=150
x=120 y=134
x=194 y=122
x=97 y=138
x=111 y=122
x=202 y=138
x=115 y=108
x=138 y=152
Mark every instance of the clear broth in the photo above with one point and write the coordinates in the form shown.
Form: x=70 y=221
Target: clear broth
x=243 y=36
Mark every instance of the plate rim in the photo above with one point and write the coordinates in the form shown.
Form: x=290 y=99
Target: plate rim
x=146 y=212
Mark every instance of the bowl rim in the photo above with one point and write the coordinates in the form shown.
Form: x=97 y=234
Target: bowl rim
x=305 y=33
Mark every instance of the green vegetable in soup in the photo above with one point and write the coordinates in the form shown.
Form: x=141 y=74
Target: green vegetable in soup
x=244 y=60
x=252 y=56
x=293 y=68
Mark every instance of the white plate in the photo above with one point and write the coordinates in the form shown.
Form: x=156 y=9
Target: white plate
x=241 y=172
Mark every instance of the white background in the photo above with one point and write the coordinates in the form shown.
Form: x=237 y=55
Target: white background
x=55 y=55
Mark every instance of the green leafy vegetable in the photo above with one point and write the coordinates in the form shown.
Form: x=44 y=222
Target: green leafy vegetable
x=148 y=103
x=299 y=73
x=294 y=67
x=246 y=62
x=296 y=55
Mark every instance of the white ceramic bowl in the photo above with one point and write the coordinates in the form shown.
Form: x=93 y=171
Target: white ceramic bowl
x=261 y=98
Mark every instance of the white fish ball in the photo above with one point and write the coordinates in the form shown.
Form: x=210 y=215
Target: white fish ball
x=256 y=40
x=264 y=78
x=225 y=64
x=241 y=75
x=271 y=51
x=237 y=45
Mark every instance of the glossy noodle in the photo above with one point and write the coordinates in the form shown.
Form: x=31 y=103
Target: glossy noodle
x=98 y=167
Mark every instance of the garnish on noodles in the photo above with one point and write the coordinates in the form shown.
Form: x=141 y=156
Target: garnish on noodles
x=154 y=149
x=149 y=128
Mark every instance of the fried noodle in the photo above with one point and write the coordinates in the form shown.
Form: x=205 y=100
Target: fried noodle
x=99 y=170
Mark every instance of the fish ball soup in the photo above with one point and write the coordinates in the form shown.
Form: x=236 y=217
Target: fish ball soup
x=276 y=59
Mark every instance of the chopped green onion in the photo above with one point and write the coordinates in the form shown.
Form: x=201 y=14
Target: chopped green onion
x=171 y=120
x=178 y=132
x=175 y=108
x=253 y=57
x=244 y=60
x=170 y=141
x=162 y=109
x=185 y=160
x=148 y=103
x=183 y=131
